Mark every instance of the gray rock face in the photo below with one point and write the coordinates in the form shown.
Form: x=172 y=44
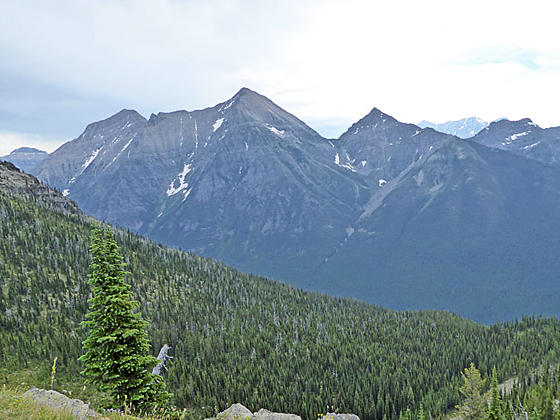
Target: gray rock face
x=13 y=181
x=463 y=128
x=25 y=158
x=57 y=400
x=264 y=414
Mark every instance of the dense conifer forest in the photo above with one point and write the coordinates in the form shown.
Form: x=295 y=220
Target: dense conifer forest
x=241 y=338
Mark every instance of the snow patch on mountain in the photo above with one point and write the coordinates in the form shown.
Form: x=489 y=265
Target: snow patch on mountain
x=348 y=164
x=279 y=133
x=178 y=184
x=514 y=137
x=218 y=124
x=127 y=144
x=90 y=159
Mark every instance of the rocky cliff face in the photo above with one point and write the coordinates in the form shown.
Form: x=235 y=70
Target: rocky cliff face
x=13 y=181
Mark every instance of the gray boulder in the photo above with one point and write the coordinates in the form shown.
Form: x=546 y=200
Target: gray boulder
x=59 y=401
x=339 y=416
x=264 y=414
x=235 y=412
x=240 y=412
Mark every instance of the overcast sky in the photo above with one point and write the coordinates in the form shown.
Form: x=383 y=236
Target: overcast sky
x=64 y=64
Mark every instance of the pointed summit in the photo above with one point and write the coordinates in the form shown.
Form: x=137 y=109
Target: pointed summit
x=124 y=116
x=376 y=116
x=250 y=107
x=246 y=91
x=375 y=119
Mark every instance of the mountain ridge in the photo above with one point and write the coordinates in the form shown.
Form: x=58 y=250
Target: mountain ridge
x=250 y=184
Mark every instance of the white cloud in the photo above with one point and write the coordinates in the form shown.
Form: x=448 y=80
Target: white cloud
x=10 y=141
x=322 y=60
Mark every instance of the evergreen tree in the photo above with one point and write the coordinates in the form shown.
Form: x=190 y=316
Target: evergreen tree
x=474 y=404
x=117 y=357
x=421 y=414
x=495 y=406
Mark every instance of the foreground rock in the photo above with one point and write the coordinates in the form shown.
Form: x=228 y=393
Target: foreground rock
x=338 y=416
x=264 y=414
x=57 y=400
x=240 y=412
x=235 y=412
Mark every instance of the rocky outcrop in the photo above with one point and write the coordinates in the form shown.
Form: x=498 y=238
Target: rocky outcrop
x=235 y=412
x=13 y=181
x=240 y=412
x=57 y=400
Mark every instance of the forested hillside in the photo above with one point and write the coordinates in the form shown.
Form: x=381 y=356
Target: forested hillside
x=241 y=338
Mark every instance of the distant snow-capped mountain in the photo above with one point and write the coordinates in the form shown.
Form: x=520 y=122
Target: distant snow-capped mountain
x=464 y=128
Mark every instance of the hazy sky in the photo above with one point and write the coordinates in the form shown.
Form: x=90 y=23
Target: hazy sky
x=64 y=64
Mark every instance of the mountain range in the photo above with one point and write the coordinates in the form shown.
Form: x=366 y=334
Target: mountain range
x=391 y=213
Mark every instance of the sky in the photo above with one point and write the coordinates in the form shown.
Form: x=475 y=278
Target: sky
x=65 y=64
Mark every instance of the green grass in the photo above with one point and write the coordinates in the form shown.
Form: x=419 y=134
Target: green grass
x=14 y=406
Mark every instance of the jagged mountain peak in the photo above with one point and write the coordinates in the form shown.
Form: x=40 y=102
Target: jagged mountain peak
x=124 y=116
x=250 y=108
x=245 y=91
x=376 y=116
x=462 y=128
x=375 y=119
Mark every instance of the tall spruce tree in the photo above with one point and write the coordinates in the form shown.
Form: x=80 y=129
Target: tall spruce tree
x=495 y=411
x=117 y=352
